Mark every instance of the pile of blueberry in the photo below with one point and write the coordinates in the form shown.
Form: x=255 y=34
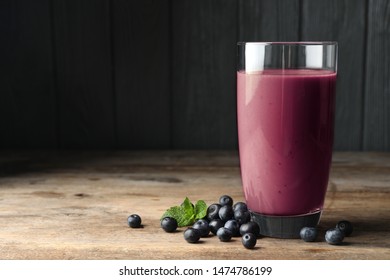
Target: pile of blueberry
x=224 y=220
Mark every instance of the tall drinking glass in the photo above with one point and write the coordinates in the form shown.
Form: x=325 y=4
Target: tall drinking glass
x=285 y=112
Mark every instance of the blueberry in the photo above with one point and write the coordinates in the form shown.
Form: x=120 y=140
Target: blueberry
x=226 y=200
x=249 y=240
x=250 y=227
x=203 y=226
x=213 y=211
x=191 y=235
x=242 y=217
x=224 y=234
x=169 y=224
x=345 y=227
x=233 y=226
x=240 y=206
x=134 y=221
x=215 y=225
x=226 y=213
x=308 y=234
x=334 y=236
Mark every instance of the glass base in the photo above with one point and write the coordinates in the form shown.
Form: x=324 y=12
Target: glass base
x=285 y=226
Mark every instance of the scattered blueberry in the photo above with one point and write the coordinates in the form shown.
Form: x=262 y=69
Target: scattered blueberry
x=213 y=211
x=203 y=226
x=345 y=227
x=249 y=240
x=224 y=234
x=226 y=200
x=233 y=226
x=169 y=224
x=191 y=235
x=134 y=221
x=242 y=217
x=215 y=225
x=240 y=206
x=308 y=234
x=226 y=213
x=250 y=227
x=334 y=236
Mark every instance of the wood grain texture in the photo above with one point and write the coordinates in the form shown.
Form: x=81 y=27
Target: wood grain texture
x=74 y=205
x=377 y=86
x=268 y=20
x=28 y=103
x=344 y=22
x=83 y=69
x=141 y=53
x=161 y=74
x=204 y=36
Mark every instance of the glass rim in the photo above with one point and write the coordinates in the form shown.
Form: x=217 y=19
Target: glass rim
x=292 y=43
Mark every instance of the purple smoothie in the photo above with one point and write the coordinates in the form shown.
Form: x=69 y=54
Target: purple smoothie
x=285 y=128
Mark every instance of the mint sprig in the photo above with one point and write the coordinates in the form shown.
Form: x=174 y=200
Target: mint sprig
x=200 y=209
x=187 y=213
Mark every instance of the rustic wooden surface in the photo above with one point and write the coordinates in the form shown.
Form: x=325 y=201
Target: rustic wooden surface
x=204 y=49
x=74 y=205
x=377 y=103
x=28 y=101
x=141 y=71
x=83 y=77
x=345 y=23
x=160 y=74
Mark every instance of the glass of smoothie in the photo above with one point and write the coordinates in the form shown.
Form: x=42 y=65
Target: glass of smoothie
x=285 y=114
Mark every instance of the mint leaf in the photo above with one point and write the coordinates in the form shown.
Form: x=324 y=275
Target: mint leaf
x=173 y=212
x=183 y=214
x=200 y=209
x=179 y=214
x=186 y=221
x=187 y=213
x=187 y=207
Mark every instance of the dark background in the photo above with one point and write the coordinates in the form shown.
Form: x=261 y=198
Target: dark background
x=144 y=74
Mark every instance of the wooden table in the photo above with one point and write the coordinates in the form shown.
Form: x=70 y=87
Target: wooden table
x=74 y=205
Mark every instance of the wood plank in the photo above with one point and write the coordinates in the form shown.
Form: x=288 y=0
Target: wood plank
x=28 y=104
x=84 y=77
x=203 y=77
x=377 y=86
x=268 y=21
x=344 y=22
x=74 y=206
x=141 y=34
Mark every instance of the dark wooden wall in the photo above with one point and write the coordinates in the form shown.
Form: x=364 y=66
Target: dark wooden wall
x=160 y=74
